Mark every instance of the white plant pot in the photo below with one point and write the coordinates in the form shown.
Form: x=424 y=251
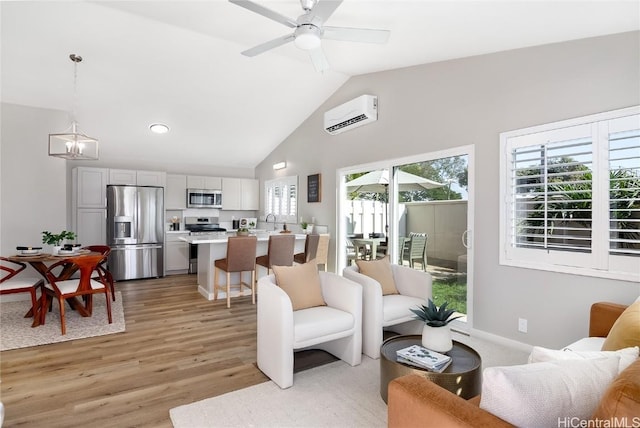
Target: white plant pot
x=56 y=249
x=437 y=338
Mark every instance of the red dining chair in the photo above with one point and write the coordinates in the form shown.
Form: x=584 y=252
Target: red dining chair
x=11 y=283
x=105 y=250
x=85 y=286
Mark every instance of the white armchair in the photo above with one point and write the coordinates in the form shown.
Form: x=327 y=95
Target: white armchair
x=379 y=312
x=335 y=328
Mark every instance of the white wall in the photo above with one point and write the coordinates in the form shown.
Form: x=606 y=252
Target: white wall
x=470 y=101
x=34 y=196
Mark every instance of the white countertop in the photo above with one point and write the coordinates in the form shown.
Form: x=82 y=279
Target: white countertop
x=222 y=239
x=171 y=232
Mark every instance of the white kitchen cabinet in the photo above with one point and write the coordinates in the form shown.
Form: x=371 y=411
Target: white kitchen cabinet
x=137 y=178
x=151 y=178
x=89 y=187
x=240 y=194
x=202 y=182
x=177 y=253
x=176 y=192
x=122 y=176
x=231 y=194
x=91 y=226
x=250 y=194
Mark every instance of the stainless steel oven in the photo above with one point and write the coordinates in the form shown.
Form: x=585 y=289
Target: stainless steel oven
x=203 y=198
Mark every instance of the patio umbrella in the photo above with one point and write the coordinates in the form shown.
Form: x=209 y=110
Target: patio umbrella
x=378 y=182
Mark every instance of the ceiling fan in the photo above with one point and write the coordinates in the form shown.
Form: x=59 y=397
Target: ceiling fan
x=309 y=29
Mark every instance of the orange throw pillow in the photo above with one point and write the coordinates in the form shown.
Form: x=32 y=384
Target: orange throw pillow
x=380 y=270
x=625 y=331
x=301 y=283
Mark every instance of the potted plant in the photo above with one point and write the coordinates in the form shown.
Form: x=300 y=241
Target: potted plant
x=436 y=333
x=303 y=225
x=243 y=231
x=56 y=239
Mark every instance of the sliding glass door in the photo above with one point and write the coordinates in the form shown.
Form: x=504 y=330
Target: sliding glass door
x=418 y=211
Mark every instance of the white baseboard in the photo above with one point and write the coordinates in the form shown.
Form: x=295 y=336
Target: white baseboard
x=205 y=293
x=510 y=343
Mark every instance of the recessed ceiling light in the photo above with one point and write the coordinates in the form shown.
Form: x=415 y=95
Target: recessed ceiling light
x=159 y=128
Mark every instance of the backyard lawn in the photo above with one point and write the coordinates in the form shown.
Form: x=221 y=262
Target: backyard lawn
x=452 y=292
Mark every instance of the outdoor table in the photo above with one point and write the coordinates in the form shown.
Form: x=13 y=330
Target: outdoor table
x=364 y=242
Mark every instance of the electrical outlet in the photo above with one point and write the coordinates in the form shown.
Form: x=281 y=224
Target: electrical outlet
x=522 y=325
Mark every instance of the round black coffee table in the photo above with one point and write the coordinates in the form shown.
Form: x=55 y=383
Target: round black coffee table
x=463 y=377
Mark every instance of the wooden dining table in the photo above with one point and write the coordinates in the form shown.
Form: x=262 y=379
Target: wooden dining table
x=40 y=262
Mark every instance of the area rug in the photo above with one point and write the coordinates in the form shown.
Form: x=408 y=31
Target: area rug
x=16 y=331
x=333 y=395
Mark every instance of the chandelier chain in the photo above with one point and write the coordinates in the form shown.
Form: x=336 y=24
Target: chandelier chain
x=76 y=59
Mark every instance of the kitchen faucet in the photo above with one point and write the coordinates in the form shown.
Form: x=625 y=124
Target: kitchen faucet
x=266 y=219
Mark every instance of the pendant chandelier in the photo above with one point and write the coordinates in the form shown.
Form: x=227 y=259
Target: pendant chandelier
x=72 y=144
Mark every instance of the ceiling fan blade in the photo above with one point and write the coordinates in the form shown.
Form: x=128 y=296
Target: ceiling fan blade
x=256 y=50
x=319 y=60
x=325 y=8
x=364 y=35
x=255 y=7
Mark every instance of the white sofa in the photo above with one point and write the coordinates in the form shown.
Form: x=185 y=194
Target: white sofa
x=335 y=328
x=380 y=312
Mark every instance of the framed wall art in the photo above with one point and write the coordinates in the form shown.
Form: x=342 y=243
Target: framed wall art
x=314 y=188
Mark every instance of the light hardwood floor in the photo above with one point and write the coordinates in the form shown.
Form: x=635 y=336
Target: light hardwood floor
x=177 y=348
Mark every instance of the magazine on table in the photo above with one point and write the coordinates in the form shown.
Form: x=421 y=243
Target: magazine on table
x=424 y=357
x=436 y=369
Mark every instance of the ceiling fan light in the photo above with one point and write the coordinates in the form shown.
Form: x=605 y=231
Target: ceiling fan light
x=307 y=37
x=307 y=41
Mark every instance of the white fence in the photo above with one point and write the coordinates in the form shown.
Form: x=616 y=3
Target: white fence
x=366 y=217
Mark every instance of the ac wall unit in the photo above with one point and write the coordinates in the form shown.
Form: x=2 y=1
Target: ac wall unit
x=354 y=113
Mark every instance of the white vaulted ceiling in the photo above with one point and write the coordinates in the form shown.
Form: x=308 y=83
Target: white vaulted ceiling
x=179 y=62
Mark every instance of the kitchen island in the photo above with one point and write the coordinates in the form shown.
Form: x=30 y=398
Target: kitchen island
x=214 y=246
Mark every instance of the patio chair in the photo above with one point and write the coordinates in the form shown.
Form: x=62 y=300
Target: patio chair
x=417 y=250
x=383 y=250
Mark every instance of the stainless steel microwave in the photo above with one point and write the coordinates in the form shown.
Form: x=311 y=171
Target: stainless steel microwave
x=203 y=198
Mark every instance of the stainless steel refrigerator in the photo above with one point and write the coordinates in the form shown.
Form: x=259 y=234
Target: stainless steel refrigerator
x=135 y=231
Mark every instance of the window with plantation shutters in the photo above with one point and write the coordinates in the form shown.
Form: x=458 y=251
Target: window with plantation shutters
x=571 y=196
x=624 y=187
x=281 y=198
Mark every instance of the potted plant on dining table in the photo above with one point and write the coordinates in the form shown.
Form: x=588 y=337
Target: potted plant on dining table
x=55 y=239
